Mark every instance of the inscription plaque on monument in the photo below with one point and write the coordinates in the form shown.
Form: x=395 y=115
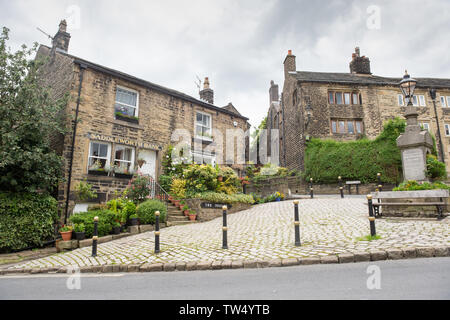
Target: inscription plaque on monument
x=414 y=164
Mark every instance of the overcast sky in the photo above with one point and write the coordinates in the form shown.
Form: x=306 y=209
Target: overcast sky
x=241 y=45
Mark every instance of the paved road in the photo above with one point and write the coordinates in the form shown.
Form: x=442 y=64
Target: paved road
x=400 y=279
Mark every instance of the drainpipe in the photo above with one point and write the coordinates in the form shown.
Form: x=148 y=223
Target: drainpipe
x=433 y=97
x=82 y=68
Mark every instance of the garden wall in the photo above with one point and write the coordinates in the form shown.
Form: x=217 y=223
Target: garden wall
x=206 y=214
x=298 y=186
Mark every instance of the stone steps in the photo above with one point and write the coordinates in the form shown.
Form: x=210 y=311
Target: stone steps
x=179 y=223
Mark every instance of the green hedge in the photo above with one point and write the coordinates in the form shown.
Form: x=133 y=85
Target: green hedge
x=146 y=211
x=105 y=221
x=326 y=160
x=26 y=220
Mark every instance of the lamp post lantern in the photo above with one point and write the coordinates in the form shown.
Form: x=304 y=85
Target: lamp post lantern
x=408 y=85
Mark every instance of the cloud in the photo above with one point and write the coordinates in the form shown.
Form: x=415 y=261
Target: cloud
x=241 y=45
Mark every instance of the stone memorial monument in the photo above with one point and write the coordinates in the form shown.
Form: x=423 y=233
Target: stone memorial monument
x=414 y=145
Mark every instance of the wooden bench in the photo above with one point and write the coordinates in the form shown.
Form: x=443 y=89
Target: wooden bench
x=412 y=195
x=350 y=184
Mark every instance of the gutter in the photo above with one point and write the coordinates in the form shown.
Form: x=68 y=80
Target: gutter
x=72 y=149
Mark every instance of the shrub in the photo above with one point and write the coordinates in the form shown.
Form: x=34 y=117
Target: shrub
x=138 y=188
x=146 y=211
x=412 y=185
x=128 y=210
x=179 y=188
x=106 y=219
x=435 y=168
x=79 y=227
x=84 y=191
x=216 y=197
x=201 y=178
x=165 y=181
x=26 y=220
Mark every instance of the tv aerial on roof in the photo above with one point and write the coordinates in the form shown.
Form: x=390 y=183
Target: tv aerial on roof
x=199 y=83
x=45 y=33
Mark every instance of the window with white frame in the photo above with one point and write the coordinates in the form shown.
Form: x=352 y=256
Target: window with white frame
x=443 y=104
x=447 y=129
x=99 y=155
x=201 y=157
x=203 y=126
x=415 y=101
x=422 y=101
x=401 y=102
x=123 y=159
x=448 y=101
x=126 y=102
x=425 y=126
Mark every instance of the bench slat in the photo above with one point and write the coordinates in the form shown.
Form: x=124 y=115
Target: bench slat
x=409 y=204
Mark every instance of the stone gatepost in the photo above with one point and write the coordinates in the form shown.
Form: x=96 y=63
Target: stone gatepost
x=414 y=145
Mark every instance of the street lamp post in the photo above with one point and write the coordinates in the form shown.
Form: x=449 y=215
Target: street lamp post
x=408 y=85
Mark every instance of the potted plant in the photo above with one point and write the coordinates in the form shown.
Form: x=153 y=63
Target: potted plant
x=123 y=221
x=192 y=215
x=185 y=210
x=66 y=232
x=116 y=228
x=134 y=220
x=79 y=230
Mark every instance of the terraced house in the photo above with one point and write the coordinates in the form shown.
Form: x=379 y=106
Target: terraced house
x=123 y=122
x=346 y=106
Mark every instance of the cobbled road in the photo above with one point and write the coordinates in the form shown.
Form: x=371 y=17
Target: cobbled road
x=328 y=226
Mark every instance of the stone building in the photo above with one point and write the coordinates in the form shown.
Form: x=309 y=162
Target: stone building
x=120 y=121
x=348 y=106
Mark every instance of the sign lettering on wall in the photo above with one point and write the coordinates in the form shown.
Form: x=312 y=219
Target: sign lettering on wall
x=125 y=141
x=210 y=205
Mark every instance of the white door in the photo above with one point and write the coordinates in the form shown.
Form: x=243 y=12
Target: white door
x=149 y=167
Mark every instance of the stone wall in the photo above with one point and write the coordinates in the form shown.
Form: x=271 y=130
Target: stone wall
x=296 y=185
x=206 y=214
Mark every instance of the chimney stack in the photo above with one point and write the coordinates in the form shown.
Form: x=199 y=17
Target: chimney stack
x=289 y=63
x=62 y=38
x=273 y=92
x=207 y=94
x=359 y=65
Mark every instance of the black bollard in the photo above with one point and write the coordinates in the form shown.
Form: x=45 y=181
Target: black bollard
x=224 y=229
x=311 y=191
x=380 y=187
x=157 y=231
x=371 y=216
x=296 y=224
x=95 y=237
x=341 y=188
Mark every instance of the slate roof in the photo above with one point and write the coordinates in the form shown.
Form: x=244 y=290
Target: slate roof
x=351 y=78
x=146 y=84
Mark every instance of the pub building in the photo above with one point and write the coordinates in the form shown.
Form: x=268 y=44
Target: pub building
x=120 y=123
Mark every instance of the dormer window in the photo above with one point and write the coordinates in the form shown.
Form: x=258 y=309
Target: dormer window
x=126 y=104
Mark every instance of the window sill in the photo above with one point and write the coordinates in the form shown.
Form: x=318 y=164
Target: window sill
x=204 y=138
x=97 y=173
x=127 y=119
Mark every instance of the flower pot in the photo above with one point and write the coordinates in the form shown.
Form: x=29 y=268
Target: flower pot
x=80 y=235
x=116 y=230
x=220 y=178
x=134 y=221
x=66 y=236
x=192 y=217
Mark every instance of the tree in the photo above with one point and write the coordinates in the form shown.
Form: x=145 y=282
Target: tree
x=28 y=117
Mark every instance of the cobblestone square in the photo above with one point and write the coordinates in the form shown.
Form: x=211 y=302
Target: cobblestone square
x=328 y=226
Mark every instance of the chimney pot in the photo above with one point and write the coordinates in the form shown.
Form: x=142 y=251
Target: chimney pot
x=207 y=94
